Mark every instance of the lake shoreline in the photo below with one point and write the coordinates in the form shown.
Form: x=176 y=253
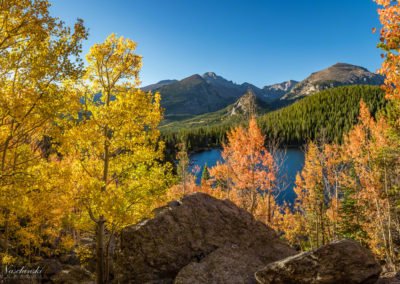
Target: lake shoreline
x=293 y=163
x=206 y=149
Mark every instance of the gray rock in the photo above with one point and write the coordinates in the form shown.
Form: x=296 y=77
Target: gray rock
x=389 y=278
x=71 y=259
x=191 y=231
x=73 y=274
x=49 y=268
x=344 y=261
x=229 y=264
x=276 y=91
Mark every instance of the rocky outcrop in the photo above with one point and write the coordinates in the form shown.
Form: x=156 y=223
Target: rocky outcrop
x=344 y=261
x=245 y=105
x=276 y=91
x=248 y=104
x=200 y=235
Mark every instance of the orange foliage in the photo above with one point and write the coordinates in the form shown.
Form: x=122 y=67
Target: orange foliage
x=316 y=211
x=188 y=184
x=389 y=16
x=368 y=147
x=247 y=174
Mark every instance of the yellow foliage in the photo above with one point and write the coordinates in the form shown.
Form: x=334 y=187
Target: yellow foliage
x=83 y=253
x=67 y=244
x=7 y=259
x=37 y=53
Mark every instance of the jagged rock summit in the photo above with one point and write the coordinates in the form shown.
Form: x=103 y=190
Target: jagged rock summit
x=248 y=104
x=196 y=234
x=276 y=91
x=285 y=87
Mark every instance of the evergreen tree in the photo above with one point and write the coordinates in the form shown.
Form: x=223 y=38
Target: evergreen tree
x=183 y=165
x=205 y=176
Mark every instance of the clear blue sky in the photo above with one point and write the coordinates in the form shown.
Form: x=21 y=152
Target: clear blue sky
x=257 y=41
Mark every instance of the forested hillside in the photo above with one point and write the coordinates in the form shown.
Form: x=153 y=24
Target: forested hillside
x=332 y=112
x=232 y=114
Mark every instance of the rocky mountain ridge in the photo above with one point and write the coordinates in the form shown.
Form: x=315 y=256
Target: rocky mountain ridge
x=201 y=94
x=158 y=85
x=340 y=74
x=276 y=91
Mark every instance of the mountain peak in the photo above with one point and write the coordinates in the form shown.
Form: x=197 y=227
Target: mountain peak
x=192 y=80
x=348 y=66
x=193 y=77
x=210 y=75
x=339 y=74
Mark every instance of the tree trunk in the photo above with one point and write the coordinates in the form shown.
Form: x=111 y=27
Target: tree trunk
x=269 y=208
x=6 y=242
x=100 y=251
x=252 y=202
x=228 y=179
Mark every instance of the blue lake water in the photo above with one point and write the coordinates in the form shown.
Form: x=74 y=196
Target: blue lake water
x=292 y=164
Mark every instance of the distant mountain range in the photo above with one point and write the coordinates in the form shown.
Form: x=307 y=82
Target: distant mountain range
x=276 y=91
x=340 y=74
x=197 y=95
x=242 y=108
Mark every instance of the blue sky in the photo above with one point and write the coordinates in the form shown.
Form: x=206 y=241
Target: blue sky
x=257 y=41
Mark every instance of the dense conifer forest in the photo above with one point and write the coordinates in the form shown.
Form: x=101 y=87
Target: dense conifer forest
x=330 y=113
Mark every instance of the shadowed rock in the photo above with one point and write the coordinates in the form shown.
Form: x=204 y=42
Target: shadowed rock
x=197 y=232
x=344 y=261
x=229 y=264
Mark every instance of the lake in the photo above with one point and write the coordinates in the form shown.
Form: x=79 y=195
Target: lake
x=292 y=164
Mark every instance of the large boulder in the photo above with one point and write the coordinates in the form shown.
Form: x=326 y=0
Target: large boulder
x=197 y=231
x=344 y=261
x=229 y=264
x=49 y=267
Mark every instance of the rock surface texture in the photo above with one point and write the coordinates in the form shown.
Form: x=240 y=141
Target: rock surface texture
x=73 y=274
x=344 y=261
x=197 y=239
x=229 y=264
